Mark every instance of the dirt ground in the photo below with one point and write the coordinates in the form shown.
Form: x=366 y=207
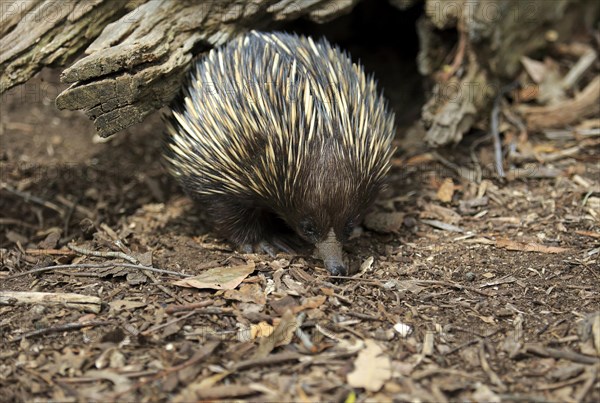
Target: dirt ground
x=464 y=288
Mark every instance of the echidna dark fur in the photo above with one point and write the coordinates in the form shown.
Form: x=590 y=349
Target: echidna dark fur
x=275 y=131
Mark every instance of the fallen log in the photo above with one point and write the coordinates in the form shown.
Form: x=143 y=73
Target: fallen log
x=136 y=53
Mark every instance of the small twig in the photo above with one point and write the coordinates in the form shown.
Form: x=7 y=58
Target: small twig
x=516 y=121
x=496 y=136
x=570 y=134
x=564 y=354
x=458 y=57
x=475 y=159
x=327 y=333
x=44 y=377
x=504 y=280
x=495 y=127
x=518 y=397
x=62 y=328
x=455 y=285
x=79 y=274
x=225 y=392
x=49 y=252
x=268 y=360
x=363 y=316
x=461 y=346
x=187 y=307
x=584 y=62
x=76 y=207
x=97 y=266
x=304 y=338
x=568 y=152
x=587 y=386
x=430 y=372
x=164 y=289
x=215 y=311
x=207 y=311
x=168 y=323
x=14 y=221
x=562 y=384
x=87 y=379
x=442 y=225
x=28 y=197
x=68 y=218
x=464 y=173
x=487 y=369
x=119 y=255
x=347 y=328
x=129 y=258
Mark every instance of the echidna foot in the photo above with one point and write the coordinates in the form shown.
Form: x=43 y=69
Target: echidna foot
x=285 y=245
x=270 y=248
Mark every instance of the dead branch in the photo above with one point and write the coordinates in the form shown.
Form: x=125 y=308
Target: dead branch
x=85 y=302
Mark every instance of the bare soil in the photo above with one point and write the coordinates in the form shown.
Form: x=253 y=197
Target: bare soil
x=501 y=300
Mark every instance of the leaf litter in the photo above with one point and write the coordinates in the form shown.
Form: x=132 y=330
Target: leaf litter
x=504 y=309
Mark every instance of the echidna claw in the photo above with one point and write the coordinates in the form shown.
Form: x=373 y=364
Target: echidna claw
x=270 y=248
x=246 y=248
x=284 y=246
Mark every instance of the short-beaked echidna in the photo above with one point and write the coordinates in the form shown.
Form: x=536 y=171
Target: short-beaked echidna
x=277 y=132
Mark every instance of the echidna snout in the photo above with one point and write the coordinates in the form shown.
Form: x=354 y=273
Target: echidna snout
x=330 y=250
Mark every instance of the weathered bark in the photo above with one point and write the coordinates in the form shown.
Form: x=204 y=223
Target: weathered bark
x=137 y=52
x=39 y=33
x=137 y=60
x=568 y=112
x=493 y=37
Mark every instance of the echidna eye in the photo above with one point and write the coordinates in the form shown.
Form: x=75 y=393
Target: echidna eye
x=308 y=229
x=348 y=228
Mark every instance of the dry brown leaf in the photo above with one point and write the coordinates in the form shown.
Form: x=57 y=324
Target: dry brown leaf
x=384 y=223
x=247 y=293
x=528 y=247
x=219 y=278
x=487 y=319
x=506 y=220
x=213 y=380
x=263 y=329
x=481 y=240
x=409 y=285
x=444 y=214
x=293 y=287
x=121 y=382
x=285 y=329
x=446 y=191
x=428 y=343
x=528 y=92
x=126 y=304
x=282 y=335
x=545 y=148
x=371 y=368
x=281 y=305
x=419 y=159
x=484 y=394
x=310 y=303
x=536 y=69
x=588 y=233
